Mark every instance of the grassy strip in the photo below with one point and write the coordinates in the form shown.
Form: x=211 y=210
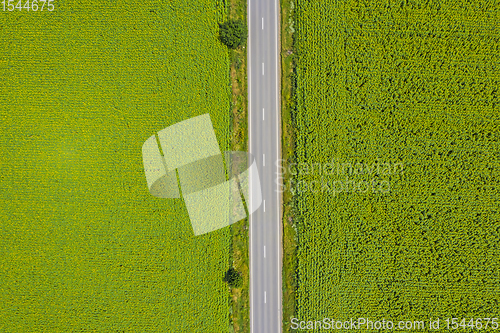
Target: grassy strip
x=240 y=304
x=288 y=143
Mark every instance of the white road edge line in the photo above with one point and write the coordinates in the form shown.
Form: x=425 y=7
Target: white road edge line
x=250 y=180
x=278 y=203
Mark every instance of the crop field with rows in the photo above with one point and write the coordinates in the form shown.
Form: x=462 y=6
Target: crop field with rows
x=396 y=191
x=83 y=245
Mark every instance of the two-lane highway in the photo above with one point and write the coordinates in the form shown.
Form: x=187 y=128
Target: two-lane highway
x=265 y=145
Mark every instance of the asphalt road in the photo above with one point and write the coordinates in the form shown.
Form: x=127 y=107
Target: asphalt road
x=265 y=145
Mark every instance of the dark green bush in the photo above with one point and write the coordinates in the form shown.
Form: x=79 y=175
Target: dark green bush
x=233 y=33
x=233 y=278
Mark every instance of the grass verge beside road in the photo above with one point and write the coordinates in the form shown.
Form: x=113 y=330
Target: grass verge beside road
x=240 y=304
x=287 y=141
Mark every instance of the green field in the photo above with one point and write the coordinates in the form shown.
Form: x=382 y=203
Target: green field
x=83 y=245
x=397 y=193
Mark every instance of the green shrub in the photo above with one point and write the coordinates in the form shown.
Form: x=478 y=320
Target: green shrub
x=233 y=33
x=233 y=278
